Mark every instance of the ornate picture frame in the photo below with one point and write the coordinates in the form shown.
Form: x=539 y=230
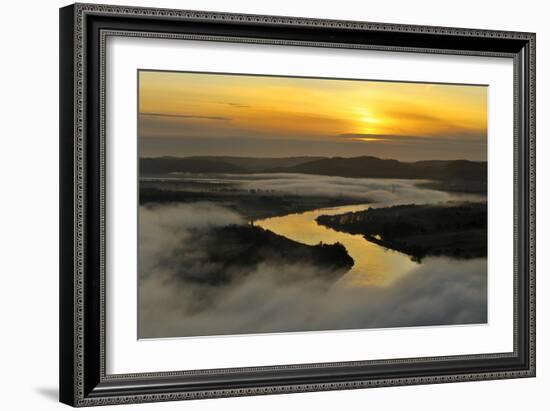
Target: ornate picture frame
x=84 y=30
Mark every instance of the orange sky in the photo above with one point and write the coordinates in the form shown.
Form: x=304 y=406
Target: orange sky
x=328 y=116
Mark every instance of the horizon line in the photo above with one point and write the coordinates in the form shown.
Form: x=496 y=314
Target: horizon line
x=305 y=156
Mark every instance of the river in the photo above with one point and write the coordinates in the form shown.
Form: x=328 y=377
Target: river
x=374 y=265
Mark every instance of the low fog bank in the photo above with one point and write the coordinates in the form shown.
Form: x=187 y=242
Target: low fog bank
x=382 y=191
x=165 y=230
x=171 y=304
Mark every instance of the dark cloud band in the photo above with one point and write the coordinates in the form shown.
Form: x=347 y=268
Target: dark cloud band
x=216 y=118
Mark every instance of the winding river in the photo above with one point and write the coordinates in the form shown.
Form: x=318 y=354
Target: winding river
x=374 y=265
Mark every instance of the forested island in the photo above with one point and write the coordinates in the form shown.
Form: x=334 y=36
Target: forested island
x=232 y=252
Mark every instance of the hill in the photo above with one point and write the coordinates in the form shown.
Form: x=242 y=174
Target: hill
x=260 y=165
x=373 y=167
x=458 y=175
x=221 y=164
x=166 y=165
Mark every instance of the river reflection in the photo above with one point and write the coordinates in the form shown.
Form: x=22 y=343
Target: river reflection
x=374 y=265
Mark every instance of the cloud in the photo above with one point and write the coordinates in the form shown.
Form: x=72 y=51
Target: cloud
x=237 y=105
x=455 y=138
x=438 y=291
x=190 y=116
x=415 y=116
x=162 y=230
x=438 y=126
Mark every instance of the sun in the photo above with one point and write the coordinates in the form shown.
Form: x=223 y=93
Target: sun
x=368 y=122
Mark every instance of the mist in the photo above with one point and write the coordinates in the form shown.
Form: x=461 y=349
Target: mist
x=374 y=190
x=440 y=291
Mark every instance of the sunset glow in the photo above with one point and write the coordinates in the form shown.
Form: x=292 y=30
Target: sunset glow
x=361 y=115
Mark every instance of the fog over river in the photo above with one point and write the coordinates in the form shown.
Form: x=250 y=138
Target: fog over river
x=384 y=288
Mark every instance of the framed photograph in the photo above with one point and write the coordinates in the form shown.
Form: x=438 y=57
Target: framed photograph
x=261 y=204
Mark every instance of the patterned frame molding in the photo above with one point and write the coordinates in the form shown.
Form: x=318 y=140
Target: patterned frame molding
x=84 y=29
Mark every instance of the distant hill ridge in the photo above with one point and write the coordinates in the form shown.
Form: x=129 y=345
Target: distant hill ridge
x=358 y=167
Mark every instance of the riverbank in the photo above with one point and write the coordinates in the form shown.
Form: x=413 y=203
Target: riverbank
x=374 y=264
x=251 y=203
x=226 y=255
x=458 y=231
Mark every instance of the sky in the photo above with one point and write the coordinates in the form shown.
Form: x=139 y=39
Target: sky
x=191 y=114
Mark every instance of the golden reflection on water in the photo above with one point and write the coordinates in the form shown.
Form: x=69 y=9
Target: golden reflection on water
x=374 y=265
